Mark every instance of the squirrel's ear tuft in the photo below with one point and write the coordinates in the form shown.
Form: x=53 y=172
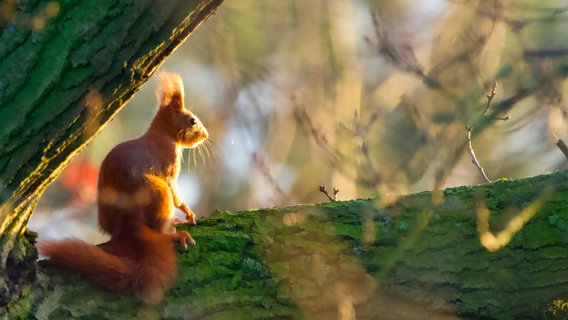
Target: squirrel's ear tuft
x=170 y=90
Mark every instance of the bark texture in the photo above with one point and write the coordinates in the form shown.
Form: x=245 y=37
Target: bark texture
x=66 y=68
x=412 y=259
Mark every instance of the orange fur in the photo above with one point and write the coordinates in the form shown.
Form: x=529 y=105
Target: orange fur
x=136 y=198
x=143 y=263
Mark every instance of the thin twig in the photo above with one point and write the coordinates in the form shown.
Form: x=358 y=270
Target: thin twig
x=561 y=145
x=323 y=190
x=265 y=171
x=546 y=53
x=474 y=158
x=308 y=126
x=491 y=96
x=401 y=56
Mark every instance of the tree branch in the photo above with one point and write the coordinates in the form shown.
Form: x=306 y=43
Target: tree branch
x=411 y=260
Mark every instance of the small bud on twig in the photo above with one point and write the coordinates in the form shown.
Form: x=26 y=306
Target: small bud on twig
x=323 y=190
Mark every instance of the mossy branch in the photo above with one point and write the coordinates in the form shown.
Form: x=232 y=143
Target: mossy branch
x=411 y=259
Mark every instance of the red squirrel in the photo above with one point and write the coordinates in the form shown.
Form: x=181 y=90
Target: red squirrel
x=136 y=197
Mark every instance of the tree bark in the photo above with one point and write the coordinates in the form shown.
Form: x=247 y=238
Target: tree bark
x=66 y=68
x=420 y=257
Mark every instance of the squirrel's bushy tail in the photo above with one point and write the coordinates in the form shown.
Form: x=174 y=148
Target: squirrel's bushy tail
x=144 y=264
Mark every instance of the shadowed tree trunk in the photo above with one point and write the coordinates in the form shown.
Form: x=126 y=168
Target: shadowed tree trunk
x=66 y=68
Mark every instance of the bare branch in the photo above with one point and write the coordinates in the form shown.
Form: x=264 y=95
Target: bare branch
x=323 y=190
x=401 y=56
x=265 y=171
x=546 y=53
x=561 y=145
x=474 y=158
x=308 y=126
x=491 y=96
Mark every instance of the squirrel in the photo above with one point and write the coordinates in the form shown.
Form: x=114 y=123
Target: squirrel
x=136 y=196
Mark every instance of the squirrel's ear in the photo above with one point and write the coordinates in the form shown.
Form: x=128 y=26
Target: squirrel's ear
x=176 y=102
x=170 y=90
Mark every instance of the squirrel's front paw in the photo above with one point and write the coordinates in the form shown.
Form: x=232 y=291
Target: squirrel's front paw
x=183 y=237
x=189 y=215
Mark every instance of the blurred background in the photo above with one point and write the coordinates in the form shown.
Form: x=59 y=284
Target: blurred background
x=370 y=97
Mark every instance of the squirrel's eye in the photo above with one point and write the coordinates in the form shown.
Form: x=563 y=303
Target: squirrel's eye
x=192 y=121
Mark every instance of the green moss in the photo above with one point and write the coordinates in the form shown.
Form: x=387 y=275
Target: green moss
x=292 y=262
x=224 y=275
x=559 y=220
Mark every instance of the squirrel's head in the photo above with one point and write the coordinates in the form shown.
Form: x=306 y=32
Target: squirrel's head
x=172 y=116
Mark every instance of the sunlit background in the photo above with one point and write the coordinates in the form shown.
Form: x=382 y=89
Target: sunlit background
x=370 y=97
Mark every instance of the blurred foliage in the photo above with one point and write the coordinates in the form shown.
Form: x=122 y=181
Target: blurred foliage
x=370 y=97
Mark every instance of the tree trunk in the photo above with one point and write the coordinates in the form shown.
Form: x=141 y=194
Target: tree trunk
x=66 y=68
x=412 y=259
